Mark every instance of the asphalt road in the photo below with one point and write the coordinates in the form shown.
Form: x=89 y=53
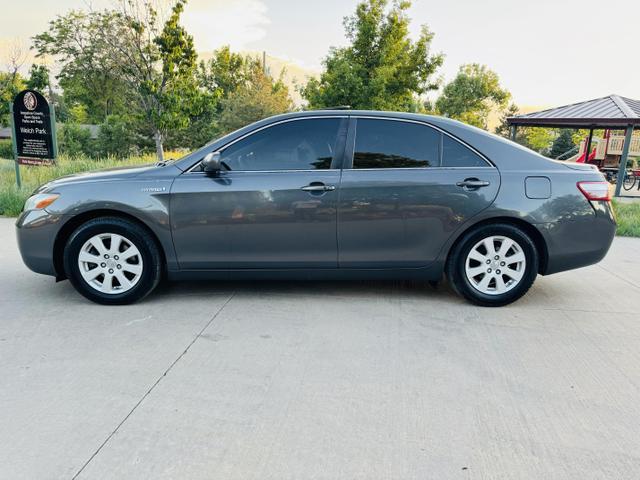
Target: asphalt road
x=321 y=380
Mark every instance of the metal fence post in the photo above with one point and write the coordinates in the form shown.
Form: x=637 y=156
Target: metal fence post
x=622 y=169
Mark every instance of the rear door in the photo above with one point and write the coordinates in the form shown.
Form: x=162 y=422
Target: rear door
x=276 y=206
x=405 y=188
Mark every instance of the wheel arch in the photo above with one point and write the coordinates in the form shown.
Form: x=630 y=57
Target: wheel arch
x=528 y=228
x=74 y=222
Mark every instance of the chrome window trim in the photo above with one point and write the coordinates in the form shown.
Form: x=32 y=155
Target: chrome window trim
x=424 y=123
x=264 y=127
x=337 y=170
x=417 y=168
x=226 y=172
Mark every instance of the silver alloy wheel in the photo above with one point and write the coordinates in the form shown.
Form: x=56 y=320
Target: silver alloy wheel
x=110 y=263
x=495 y=265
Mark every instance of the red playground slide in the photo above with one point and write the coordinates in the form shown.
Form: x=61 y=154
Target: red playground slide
x=580 y=159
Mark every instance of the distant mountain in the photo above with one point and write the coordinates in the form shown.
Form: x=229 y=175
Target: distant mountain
x=294 y=75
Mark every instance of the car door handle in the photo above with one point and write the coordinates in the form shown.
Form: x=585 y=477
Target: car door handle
x=318 y=187
x=472 y=183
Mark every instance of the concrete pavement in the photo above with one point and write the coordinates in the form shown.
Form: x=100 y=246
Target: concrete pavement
x=321 y=380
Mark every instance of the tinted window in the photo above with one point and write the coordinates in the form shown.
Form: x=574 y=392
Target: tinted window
x=395 y=144
x=296 y=145
x=454 y=154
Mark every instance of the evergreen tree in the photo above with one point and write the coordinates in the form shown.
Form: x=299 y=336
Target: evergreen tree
x=504 y=129
x=563 y=143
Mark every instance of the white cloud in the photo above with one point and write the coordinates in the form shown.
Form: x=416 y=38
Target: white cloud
x=214 y=23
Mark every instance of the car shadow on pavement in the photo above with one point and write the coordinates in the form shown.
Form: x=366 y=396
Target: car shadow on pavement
x=351 y=288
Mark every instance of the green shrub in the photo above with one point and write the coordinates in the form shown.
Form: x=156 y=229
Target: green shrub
x=116 y=138
x=6 y=149
x=74 y=140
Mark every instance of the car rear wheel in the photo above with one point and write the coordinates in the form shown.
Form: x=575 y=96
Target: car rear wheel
x=112 y=261
x=493 y=265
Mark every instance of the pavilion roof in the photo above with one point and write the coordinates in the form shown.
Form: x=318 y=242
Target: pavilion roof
x=606 y=112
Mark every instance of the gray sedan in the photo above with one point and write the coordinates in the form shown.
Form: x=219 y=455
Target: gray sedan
x=325 y=194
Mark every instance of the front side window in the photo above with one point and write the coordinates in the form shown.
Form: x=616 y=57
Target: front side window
x=307 y=144
x=395 y=144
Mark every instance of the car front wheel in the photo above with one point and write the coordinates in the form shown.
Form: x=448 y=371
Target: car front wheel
x=493 y=265
x=112 y=261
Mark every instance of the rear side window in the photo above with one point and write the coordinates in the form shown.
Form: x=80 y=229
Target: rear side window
x=395 y=144
x=454 y=154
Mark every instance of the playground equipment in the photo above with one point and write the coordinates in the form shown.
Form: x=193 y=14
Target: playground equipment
x=614 y=113
x=606 y=154
x=607 y=150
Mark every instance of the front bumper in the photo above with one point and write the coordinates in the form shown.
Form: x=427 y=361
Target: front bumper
x=36 y=231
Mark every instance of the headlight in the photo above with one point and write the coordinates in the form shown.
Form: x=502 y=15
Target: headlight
x=40 y=201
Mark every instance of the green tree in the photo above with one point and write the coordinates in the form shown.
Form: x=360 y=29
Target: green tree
x=216 y=79
x=10 y=85
x=259 y=96
x=77 y=114
x=562 y=144
x=472 y=95
x=504 y=129
x=75 y=140
x=38 y=78
x=540 y=139
x=117 y=137
x=172 y=94
x=223 y=73
x=90 y=75
x=201 y=124
x=148 y=66
x=382 y=68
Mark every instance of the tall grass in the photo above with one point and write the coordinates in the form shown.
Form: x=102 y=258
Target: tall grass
x=12 y=198
x=628 y=218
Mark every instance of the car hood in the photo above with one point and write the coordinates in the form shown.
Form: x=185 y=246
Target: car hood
x=107 y=174
x=119 y=173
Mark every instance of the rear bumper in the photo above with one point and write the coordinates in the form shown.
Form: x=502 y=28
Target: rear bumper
x=578 y=242
x=36 y=231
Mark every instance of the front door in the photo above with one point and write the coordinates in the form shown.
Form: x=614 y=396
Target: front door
x=275 y=206
x=409 y=188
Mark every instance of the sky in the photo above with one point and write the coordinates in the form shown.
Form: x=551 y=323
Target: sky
x=546 y=52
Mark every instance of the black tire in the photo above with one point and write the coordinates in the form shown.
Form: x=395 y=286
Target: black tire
x=139 y=236
x=455 y=267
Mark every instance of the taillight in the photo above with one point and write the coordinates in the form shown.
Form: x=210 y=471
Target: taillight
x=595 y=190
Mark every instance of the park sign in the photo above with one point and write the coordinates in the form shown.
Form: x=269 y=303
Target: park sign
x=34 y=129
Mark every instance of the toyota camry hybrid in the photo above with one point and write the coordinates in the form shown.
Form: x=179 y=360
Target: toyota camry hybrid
x=325 y=194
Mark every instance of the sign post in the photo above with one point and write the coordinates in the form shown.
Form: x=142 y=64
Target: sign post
x=14 y=146
x=34 y=131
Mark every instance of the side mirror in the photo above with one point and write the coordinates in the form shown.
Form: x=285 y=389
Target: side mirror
x=211 y=163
